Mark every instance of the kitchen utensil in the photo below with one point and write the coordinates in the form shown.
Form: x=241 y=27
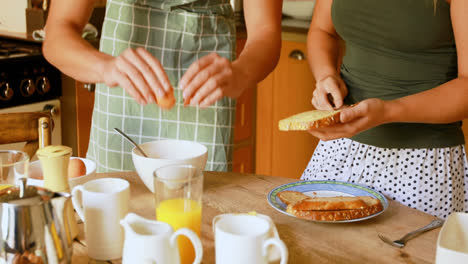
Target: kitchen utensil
x=167 y=152
x=35 y=228
x=243 y=238
x=402 y=241
x=149 y=241
x=178 y=193
x=131 y=141
x=325 y=189
x=54 y=161
x=101 y=204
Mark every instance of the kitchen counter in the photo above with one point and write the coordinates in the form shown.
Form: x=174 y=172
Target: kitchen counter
x=307 y=242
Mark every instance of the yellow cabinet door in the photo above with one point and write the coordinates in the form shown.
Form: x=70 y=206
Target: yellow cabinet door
x=286 y=91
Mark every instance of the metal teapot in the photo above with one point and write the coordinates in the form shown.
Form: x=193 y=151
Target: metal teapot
x=34 y=228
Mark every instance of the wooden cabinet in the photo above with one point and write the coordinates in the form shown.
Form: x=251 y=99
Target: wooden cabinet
x=243 y=129
x=286 y=91
x=84 y=112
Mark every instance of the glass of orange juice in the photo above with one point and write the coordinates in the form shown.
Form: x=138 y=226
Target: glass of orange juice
x=13 y=165
x=178 y=193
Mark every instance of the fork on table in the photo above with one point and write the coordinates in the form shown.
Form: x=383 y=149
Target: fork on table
x=402 y=241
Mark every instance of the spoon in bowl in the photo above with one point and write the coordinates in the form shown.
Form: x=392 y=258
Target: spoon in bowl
x=131 y=141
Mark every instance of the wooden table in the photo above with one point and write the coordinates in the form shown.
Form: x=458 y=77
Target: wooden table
x=307 y=242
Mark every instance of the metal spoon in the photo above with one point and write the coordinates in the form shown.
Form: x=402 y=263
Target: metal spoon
x=131 y=141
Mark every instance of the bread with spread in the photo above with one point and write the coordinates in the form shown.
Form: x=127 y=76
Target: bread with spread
x=310 y=119
x=329 y=208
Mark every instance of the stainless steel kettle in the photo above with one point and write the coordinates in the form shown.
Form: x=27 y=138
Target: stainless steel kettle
x=34 y=228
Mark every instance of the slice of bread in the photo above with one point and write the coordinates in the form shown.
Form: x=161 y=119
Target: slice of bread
x=291 y=197
x=330 y=203
x=310 y=119
x=372 y=206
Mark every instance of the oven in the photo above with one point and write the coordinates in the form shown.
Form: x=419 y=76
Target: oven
x=28 y=83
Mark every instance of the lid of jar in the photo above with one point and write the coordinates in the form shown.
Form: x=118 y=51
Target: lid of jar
x=54 y=151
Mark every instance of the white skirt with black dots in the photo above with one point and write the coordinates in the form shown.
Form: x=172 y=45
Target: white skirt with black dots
x=431 y=180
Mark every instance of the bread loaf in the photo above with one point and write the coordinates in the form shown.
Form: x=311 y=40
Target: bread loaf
x=310 y=119
x=372 y=206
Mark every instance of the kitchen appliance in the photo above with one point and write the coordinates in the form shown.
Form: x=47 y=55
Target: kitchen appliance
x=28 y=83
x=34 y=227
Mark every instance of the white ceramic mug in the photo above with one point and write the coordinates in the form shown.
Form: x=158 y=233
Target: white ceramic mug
x=155 y=242
x=101 y=204
x=242 y=238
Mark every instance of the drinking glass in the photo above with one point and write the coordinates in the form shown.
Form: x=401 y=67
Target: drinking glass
x=178 y=195
x=13 y=165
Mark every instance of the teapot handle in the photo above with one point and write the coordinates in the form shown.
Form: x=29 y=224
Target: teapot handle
x=76 y=202
x=197 y=245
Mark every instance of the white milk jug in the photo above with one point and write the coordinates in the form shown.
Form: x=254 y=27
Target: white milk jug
x=154 y=242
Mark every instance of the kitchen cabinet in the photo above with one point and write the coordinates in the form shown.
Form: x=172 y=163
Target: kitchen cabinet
x=84 y=111
x=286 y=91
x=243 y=128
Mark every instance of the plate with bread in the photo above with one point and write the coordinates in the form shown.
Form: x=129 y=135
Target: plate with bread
x=327 y=201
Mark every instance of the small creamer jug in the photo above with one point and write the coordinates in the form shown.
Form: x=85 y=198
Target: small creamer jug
x=154 y=242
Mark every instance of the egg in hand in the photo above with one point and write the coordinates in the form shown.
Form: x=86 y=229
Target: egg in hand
x=76 y=168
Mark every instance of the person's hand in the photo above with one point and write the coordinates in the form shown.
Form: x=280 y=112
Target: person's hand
x=139 y=73
x=209 y=79
x=360 y=117
x=332 y=85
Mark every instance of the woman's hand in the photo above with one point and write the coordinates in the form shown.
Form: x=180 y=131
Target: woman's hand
x=332 y=85
x=209 y=79
x=366 y=114
x=139 y=73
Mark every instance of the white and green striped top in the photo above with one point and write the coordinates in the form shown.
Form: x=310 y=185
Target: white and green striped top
x=177 y=32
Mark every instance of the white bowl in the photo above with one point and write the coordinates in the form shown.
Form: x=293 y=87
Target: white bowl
x=35 y=173
x=452 y=243
x=167 y=152
x=299 y=9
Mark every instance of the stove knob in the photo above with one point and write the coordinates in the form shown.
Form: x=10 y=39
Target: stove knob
x=6 y=93
x=27 y=87
x=42 y=85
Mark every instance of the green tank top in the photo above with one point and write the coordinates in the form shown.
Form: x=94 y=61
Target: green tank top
x=394 y=49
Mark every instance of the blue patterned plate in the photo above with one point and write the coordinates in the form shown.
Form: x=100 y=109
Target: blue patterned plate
x=325 y=189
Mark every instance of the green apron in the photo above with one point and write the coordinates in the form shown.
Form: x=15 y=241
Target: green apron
x=177 y=33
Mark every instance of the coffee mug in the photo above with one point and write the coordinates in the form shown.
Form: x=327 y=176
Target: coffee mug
x=243 y=238
x=101 y=204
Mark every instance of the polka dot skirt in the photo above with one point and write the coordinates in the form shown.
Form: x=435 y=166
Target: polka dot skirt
x=430 y=180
